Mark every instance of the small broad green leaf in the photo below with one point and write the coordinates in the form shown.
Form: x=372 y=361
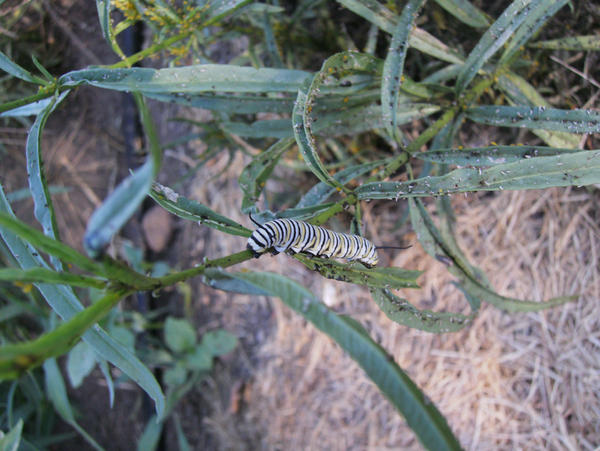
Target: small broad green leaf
x=195 y=211
x=63 y=301
x=570 y=121
x=464 y=11
x=492 y=40
x=180 y=335
x=359 y=274
x=219 y=342
x=81 y=360
x=489 y=155
x=539 y=13
x=7 y=65
x=421 y=415
x=573 y=169
x=176 y=375
x=151 y=435
x=375 y=12
x=11 y=440
x=200 y=359
x=43 y=275
x=520 y=92
x=254 y=176
x=394 y=65
x=189 y=79
x=402 y=312
x=577 y=43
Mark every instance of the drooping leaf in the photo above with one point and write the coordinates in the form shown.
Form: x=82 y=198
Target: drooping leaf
x=9 y=66
x=81 y=360
x=421 y=415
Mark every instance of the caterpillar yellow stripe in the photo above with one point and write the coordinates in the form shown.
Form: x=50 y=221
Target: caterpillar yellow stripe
x=299 y=236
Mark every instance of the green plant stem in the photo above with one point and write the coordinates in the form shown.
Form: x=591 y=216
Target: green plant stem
x=42 y=94
x=222 y=262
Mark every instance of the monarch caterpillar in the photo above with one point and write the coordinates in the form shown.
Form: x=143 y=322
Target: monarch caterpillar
x=300 y=236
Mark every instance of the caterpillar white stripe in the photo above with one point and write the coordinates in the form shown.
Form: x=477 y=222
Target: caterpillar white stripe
x=300 y=236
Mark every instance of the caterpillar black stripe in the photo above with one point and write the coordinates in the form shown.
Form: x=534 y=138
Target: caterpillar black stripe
x=300 y=236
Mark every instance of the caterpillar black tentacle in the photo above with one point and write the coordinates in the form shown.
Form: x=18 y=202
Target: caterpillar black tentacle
x=299 y=236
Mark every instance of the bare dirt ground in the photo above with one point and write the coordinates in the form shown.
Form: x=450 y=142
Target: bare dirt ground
x=509 y=381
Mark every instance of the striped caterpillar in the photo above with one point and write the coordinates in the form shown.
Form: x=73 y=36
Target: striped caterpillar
x=300 y=236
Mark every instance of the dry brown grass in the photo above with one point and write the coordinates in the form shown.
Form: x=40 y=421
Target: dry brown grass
x=510 y=381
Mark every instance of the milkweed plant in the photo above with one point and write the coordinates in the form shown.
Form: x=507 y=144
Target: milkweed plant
x=355 y=93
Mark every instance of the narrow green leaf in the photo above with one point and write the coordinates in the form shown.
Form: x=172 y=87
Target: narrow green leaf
x=375 y=12
x=195 y=211
x=571 y=121
x=229 y=103
x=117 y=208
x=402 y=312
x=573 y=169
x=492 y=40
x=490 y=155
x=64 y=302
x=577 y=43
x=356 y=273
x=32 y=109
x=151 y=435
x=394 y=65
x=17 y=71
x=56 y=390
x=254 y=176
x=520 y=92
x=306 y=142
x=539 y=13
x=464 y=11
x=42 y=242
x=11 y=440
x=421 y=415
x=103 y=8
x=25 y=193
x=43 y=275
x=43 y=208
x=189 y=79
